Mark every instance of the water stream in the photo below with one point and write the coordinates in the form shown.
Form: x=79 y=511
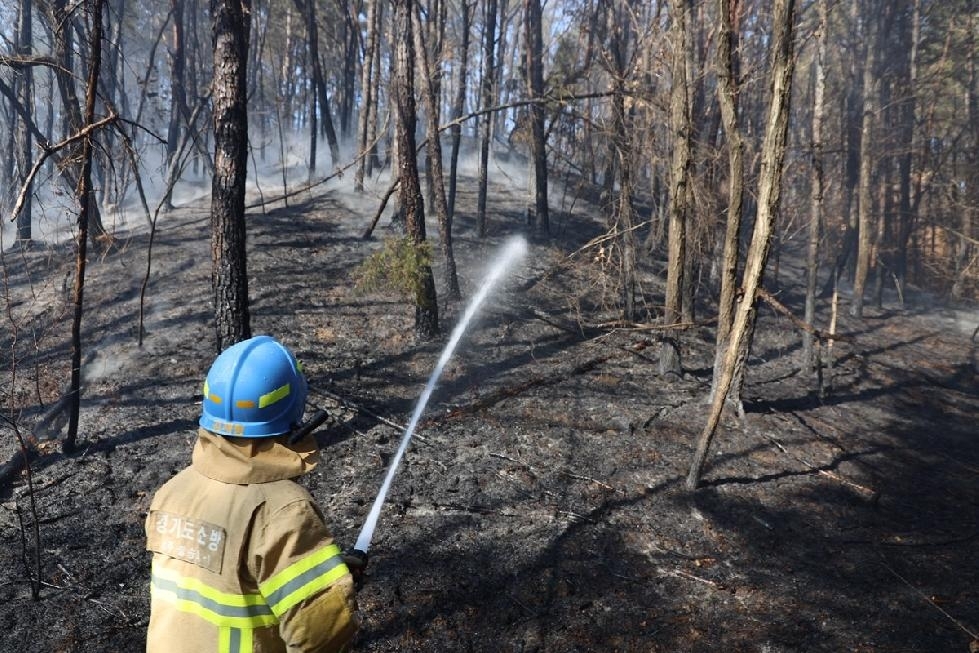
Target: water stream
x=514 y=249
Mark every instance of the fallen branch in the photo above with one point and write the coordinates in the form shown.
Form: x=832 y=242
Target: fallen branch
x=679 y=573
x=928 y=599
x=49 y=151
x=862 y=489
x=380 y=209
x=802 y=324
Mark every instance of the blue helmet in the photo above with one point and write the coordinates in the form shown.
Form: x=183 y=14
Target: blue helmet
x=254 y=389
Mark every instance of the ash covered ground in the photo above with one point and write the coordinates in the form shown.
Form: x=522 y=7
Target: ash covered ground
x=540 y=506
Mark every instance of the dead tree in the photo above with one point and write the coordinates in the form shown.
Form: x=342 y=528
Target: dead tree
x=809 y=351
x=231 y=22
x=538 y=218
x=459 y=101
x=369 y=96
x=769 y=189
x=86 y=201
x=434 y=144
x=409 y=190
x=727 y=95
x=487 y=99
x=680 y=173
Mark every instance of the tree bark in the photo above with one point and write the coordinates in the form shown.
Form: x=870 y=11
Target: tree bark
x=434 y=146
x=178 y=98
x=727 y=95
x=459 y=102
x=865 y=209
x=539 y=220
x=623 y=138
x=409 y=190
x=773 y=155
x=486 y=121
x=231 y=24
x=965 y=247
x=318 y=94
x=810 y=355
x=25 y=153
x=680 y=126
x=85 y=202
x=368 y=89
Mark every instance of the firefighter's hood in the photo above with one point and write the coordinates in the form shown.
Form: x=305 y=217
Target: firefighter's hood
x=253 y=460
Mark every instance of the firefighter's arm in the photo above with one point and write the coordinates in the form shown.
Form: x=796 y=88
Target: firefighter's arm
x=303 y=577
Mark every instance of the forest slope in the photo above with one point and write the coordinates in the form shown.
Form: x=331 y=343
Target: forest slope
x=540 y=507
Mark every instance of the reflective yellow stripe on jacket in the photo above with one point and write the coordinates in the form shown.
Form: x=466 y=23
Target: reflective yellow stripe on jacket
x=219 y=608
x=303 y=579
x=237 y=615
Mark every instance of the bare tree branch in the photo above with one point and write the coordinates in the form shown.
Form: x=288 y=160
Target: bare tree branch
x=50 y=150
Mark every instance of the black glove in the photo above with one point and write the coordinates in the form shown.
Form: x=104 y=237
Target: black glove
x=356 y=562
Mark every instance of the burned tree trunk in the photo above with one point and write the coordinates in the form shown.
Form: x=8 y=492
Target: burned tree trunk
x=727 y=94
x=809 y=351
x=231 y=22
x=458 y=104
x=25 y=150
x=680 y=126
x=539 y=221
x=486 y=122
x=85 y=202
x=769 y=188
x=409 y=190
x=434 y=145
x=369 y=94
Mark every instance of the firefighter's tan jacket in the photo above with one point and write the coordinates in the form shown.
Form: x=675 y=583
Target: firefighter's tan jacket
x=242 y=559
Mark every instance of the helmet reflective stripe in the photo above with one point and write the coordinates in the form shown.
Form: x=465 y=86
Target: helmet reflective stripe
x=274 y=396
x=254 y=389
x=207 y=393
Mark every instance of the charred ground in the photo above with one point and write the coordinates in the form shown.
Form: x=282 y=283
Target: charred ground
x=540 y=507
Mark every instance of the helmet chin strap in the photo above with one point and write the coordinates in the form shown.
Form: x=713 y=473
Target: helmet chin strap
x=313 y=423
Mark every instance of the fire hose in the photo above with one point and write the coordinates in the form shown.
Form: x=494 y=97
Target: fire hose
x=515 y=248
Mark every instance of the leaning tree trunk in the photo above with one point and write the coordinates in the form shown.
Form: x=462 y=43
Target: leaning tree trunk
x=409 y=189
x=669 y=361
x=85 y=202
x=231 y=21
x=769 y=187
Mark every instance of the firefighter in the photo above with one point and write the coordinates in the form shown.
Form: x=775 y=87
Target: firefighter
x=242 y=559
